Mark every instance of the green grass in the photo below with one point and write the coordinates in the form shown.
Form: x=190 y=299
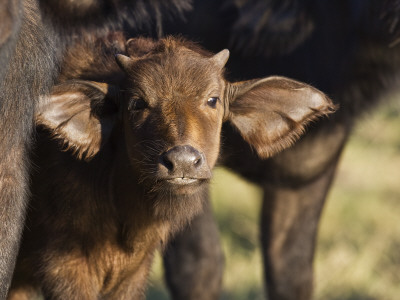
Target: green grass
x=358 y=252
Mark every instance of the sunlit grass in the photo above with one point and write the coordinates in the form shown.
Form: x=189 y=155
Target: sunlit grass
x=358 y=252
x=237 y=217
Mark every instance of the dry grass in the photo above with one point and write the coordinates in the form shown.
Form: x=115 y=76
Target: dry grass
x=358 y=252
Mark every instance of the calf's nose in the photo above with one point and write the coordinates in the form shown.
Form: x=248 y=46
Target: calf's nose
x=184 y=161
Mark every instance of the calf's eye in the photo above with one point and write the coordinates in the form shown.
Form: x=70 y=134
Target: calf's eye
x=138 y=104
x=212 y=102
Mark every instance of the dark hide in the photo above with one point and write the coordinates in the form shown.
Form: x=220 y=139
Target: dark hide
x=348 y=49
x=270 y=26
x=130 y=163
x=30 y=72
x=33 y=35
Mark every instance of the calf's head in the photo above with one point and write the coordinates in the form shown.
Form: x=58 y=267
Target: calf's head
x=168 y=112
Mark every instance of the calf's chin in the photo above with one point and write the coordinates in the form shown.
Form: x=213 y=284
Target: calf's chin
x=178 y=204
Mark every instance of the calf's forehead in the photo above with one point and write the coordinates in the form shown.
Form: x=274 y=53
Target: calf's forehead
x=182 y=72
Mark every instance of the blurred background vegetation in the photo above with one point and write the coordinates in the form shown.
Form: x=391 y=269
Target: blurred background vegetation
x=358 y=252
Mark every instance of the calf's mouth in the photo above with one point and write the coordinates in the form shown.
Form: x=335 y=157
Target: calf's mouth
x=182 y=180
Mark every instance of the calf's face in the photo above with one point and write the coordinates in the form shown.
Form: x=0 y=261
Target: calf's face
x=172 y=104
x=169 y=112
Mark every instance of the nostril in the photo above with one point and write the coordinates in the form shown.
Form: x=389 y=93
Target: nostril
x=197 y=162
x=167 y=162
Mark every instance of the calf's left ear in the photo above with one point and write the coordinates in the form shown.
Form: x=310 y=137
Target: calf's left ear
x=271 y=113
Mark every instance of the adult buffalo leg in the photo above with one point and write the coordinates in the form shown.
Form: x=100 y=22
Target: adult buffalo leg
x=291 y=212
x=194 y=260
x=289 y=222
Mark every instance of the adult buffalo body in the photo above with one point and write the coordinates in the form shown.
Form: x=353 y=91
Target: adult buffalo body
x=348 y=49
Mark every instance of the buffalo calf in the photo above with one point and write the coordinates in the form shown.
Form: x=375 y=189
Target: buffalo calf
x=138 y=157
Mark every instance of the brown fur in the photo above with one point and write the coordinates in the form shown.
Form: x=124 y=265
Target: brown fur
x=94 y=224
x=33 y=37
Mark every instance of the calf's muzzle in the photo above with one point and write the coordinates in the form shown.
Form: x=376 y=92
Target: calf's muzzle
x=183 y=165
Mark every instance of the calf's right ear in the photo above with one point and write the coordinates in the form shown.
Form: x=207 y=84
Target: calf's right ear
x=271 y=113
x=80 y=114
